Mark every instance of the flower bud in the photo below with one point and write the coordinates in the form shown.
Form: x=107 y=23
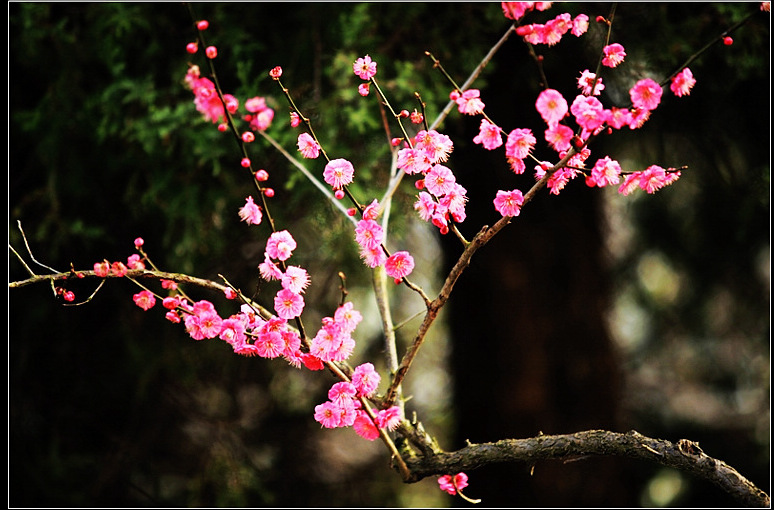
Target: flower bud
x=211 y=52
x=276 y=73
x=269 y=192
x=203 y=24
x=261 y=175
x=245 y=162
x=248 y=137
x=192 y=47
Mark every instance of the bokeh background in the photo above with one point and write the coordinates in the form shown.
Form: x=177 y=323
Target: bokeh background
x=592 y=310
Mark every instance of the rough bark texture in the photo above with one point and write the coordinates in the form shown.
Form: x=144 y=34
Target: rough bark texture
x=684 y=455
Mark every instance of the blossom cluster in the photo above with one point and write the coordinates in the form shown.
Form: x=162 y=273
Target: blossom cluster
x=344 y=408
x=444 y=198
x=589 y=114
x=206 y=97
x=209 y=104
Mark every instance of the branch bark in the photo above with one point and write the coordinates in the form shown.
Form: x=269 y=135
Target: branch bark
x=685 y=456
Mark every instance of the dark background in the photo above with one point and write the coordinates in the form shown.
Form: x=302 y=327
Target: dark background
x=589 y=311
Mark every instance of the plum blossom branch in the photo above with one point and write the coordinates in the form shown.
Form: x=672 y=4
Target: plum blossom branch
x=483 y=237
x=398 y=177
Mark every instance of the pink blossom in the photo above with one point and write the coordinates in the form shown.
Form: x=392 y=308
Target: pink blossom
x=469 y=103
x=232 y=330
x=210 y=323
x=347 y=317
x=559 y=137
x=454 y=202
x=170 y=303
x=364 y=89
x=389 y=418
x=606 y=171
x=145 y=299
x=439 y=180
x=288 y=304
x=652 y=178
x=373 y=257
x=588 y=111
x=587 y=80
x=344 y=348
x=269 y=270
x=262 y=120
x=366 y=379
x=135 y=262
x=425 y=205
x=614 y=55
x=251 y=212
x=269 y=344
x=347 y=411
x=327 y=414
x=246 y=349
x=172 y=317
x=508 y=203
x=255 y=104
x=489 y=135
x=399 y=264
x=338 y=173
x=413 y=161
x=326 y=342
x=342 y=390
x=102 y=269
x=295 y=119
x=618 y=117
x=371 y=211
x=312 y=362
x=631 y=183
x=646 y=94
x=365 y=427
x=435 y=145
x=551 y=106
x=280 y=245
x=580 y=24
x=119 y=269
x=559 y=179
x=369 y=234
x=295 y=279
x=364 y=68
x=556 y=28
x=682 y=83
x=515 y=10
x=192 y=327
x=519 y=143
x=638 y=117
x=307 y=146
x=453 y=484
x=168 y=284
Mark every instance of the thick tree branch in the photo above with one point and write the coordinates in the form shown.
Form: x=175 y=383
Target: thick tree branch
x=685 y=456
